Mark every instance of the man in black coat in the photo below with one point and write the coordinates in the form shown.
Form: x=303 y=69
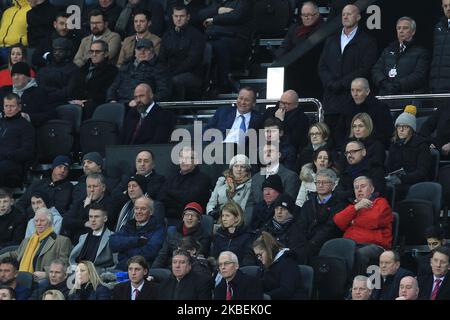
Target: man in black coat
x=57 y=188
x=59 y=78
x=187 y=185
x=403 y=66
x=440 y=63
x=39 y=21
x=138 y=288
x=436 y=286
x=364 y=101
x=346 y=56
x=16 y=142
x=391 y=275
x=143 y=69
x=295 y=121
x=316 y=216
x=96 y=76
x=358 y=164
x=235 y=285
x=184 y=284
x=34 y=100
x=146 y=122
x=12 y=222
x=181 y=52
x=43 y=52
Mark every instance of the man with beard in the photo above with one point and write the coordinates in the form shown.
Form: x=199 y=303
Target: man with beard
x=99 y=31
x=9 y=267
x=146 y=122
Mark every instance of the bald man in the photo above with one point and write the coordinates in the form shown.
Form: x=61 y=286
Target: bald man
x=349 y=54
x=146 y=122
x=409 y=289
x=295 y=122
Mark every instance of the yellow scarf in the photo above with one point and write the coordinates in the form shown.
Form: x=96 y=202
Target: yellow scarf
x=26 y=264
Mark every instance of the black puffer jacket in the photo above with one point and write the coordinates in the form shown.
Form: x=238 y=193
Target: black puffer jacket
x=440 y=63
x=234 y=24
x=129 y=76
x=412 y=69
x=414 y=156
x=239 y=242
x=16 y=139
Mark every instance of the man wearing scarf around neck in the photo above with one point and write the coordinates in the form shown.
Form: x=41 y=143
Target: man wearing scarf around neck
x=38 y=251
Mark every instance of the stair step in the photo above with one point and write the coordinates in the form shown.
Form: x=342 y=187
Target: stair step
x=253 y=81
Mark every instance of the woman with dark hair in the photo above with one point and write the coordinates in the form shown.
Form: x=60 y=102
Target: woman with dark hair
x=281 y=276
x=88 y=285
x=232 y=234
x=322 y=159
x=17 y=53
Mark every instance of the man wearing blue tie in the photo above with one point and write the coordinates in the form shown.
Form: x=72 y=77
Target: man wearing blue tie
x=237 y=119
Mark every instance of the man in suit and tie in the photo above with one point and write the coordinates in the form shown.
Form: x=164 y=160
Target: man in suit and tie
x=94 y=245
x=146 y=122
x=237 y=119
x=436 y=286
x=138 y=288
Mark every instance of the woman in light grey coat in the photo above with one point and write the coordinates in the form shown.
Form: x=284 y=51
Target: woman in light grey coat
x=235 y=184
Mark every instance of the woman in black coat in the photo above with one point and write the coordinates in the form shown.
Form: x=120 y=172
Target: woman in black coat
x=88 y=285
x=318 y=136
x=281 y=277
x=410 y=152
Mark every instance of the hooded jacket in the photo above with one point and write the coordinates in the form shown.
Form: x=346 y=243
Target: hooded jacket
x=13 y=27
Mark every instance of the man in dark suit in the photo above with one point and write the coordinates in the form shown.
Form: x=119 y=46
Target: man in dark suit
x=436 y=286
x=138 y=288
x=237 y=119
x=184 y=284
x=146 y=122
x=235 y=284
x=346 y=55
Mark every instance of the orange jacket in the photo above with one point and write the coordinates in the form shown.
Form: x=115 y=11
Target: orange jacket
x=372 y=225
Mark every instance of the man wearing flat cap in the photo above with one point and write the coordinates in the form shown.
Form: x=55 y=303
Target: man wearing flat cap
x=61 y=76
x=34 y=100
x=56 y=187
x=144 y=68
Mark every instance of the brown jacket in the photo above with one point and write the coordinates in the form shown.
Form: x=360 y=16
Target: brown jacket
x=129 y=43
x=113 y=40
x=56 y=247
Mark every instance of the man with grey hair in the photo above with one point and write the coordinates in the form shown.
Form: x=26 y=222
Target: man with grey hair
x=143 y=235
x=317 y=213
x=360 y=290
x=409 y=289
x=368 y=221
x=363 y=100
x=57 y=279
x=235 y=285
x=295 y=122
x=403 y=65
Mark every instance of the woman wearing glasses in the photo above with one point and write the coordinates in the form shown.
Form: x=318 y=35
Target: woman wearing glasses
x=322 y=159
x=319 y=136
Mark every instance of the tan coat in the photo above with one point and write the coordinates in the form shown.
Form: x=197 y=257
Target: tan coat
x=128 y=44
x=56 y=247
x=113 y=40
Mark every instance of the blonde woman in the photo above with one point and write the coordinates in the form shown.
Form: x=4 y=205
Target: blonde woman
x=88 y=285
x=53 y=295
x=232 y=234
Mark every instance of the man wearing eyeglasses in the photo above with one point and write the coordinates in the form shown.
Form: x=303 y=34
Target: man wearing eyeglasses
x=295 y=122
x=235 y=285
x=359 y=164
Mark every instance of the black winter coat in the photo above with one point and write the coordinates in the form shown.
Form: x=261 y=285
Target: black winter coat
x=180 y=189
x=182 y=51
x=337 y=70
x=390 y=286
x=440 y=63
x=155 y=183
x=129 y=76
x=193 y=286
x=59 y=194
x=40 y=22
x=412 y=69
x=283 y=280
x=244 y=287
x=16 y=139
x=12 y=228
x=413 y=156
x=239 y=242
x=236 y=24
x=438 y=121
x=317 y=222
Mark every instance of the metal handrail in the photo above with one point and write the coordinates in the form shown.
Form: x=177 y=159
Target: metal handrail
x=424 y=96
x=193 y=104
